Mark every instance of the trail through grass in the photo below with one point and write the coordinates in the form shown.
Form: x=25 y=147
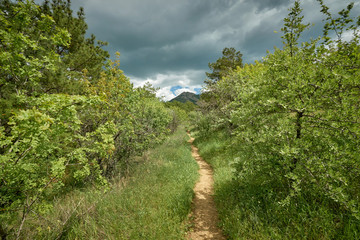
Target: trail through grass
x=204 y=210
x=250 y=210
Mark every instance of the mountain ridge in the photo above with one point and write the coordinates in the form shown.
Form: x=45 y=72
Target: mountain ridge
x=186 y=96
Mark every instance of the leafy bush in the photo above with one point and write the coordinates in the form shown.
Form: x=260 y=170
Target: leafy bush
x=68 y=118
x=295 y=121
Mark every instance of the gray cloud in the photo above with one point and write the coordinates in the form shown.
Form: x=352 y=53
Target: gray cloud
x=161 y=40
x=268 y=4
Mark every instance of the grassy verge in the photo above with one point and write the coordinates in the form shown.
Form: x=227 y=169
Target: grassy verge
x=151 y=204
x=251 y=211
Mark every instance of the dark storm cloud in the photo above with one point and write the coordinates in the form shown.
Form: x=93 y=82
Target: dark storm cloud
x=139 y=24
x=171 y=42
x=154 y=36
x=268 y=4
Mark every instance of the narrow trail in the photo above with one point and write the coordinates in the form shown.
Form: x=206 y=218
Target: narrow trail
x=204 y=211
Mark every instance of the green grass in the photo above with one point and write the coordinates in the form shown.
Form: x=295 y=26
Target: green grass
x=153 y=203
x=251 y=210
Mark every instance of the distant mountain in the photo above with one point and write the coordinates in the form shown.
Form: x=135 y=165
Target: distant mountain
x=186 y=96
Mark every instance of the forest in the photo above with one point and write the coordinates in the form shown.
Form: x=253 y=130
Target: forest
x=86 y=155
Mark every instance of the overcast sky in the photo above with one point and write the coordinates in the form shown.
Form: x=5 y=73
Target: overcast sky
x=169 y=43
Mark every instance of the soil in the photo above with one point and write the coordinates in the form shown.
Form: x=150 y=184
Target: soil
x=204 y=213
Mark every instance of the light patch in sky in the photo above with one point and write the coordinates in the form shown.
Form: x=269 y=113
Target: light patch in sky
x=174 y=88
x=166 y=93
x=181 y=90
x=197 y=90
x=165 y=82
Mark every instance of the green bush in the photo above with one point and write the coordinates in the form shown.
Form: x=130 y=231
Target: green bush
x=294 y=122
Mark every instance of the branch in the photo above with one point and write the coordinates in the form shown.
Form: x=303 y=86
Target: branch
x=329 y=120
x=23 y=155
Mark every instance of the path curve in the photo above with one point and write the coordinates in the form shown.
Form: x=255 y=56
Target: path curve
x=204 y=211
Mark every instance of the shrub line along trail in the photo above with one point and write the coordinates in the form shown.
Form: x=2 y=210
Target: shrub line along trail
x=204 y=211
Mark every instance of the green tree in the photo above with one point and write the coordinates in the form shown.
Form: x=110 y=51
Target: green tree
x=81 y=52
x=296 y=117
x=25 y=56
x=292 y=113
x=293 y=28
x=213 y=98
x=68 y=117
x=222 y=67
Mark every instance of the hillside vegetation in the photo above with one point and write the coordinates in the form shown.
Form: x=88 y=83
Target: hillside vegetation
x=85 y=155
x=69 y=117
x=186 y=97
x=152 y=202
x=283 y=135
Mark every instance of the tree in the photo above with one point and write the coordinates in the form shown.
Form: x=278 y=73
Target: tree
x=297 y=120
x=213 y=99
x=27 y=37
x=81 y=52
x=229 y=61
x=293 y=27
x=67 y=117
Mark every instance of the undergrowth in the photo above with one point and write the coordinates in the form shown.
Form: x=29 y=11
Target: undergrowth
x=252 y=210
x=152 y=203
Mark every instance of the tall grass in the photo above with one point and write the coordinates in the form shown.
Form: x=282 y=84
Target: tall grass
x=152 y=203
x=251 y=211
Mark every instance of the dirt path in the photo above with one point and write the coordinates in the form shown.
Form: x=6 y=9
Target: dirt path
x=204 y=210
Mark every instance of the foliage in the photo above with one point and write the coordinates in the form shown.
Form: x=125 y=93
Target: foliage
x=180 y=112
x=294 y=119
x=293 y=28
x=152 y=203
x=81 y=52
x=68 y=118
x=230 y=60
x=23 y=61
x=250 y=209
x=187 y=106
x=213 y=98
